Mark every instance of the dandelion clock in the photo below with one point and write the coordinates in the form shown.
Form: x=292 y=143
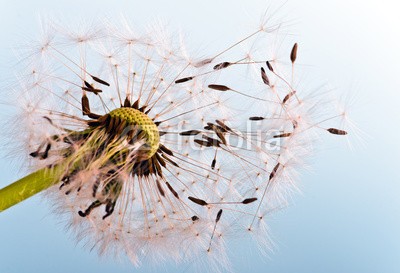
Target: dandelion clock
x=146 y=151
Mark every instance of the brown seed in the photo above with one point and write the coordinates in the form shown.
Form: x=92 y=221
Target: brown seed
x=273 y=173
x=256 y=118
x=172 y=190
x=160 y=189
x=93 y=90
x=198 y=201
x=222 y=65
x=213 y=163
x=218 y=216
x=166 y=150
x=337 y=131
x=100 y=81
x=190 y=133
x=170 y=160
x=135 y=105
x=45 y=154
x=270 y=66
x=264 y=76
x=127 y=102
x=283 y=135
x=288 y=96
x=293 y=54
x=249 y=200
x=161 y=160
x=221 y=137
x=94 y=116
x=88 y=85
x=85 y=105
x=203 y=143
x=223 y=125
x=195 y=218
x=212 y=141
x=219 y=87
x=184 y=80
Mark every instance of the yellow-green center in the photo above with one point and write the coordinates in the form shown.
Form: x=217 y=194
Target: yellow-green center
x=137 y=118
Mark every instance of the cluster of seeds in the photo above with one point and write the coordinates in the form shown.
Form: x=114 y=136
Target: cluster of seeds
x=163 y=155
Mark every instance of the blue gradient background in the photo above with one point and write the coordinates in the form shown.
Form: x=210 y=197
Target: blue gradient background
x=347 y=220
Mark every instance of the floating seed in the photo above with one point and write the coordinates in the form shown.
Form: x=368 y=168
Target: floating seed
x=264 y=76
x=88 y=85
x=100 y=81
x=336 y=131
x=221 y=137
x=283 y=135
x=219 y=87
x=256 y=118
x=270 y=66
x=218 y=216
x=213 y=163
x=249 y=200
x=273 y=173
x=212 y=141
x=190 y=133
x=223 y=125
x=93 y=90
x=198 y=201
x=293 y=54
x=203 y=143
x=288 y=96
x=222 y=65
x=184 y=80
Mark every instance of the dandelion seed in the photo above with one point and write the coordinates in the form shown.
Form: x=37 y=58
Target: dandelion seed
x=337 y=131
x=288 y=96
x=219 y=87
x=270 y=66
x=249 y=200
x=123 y=157
x=198 y=201
x=293 y=53
x=184 y=80
x=264 y=76
x=190 y=133
x=256 y=118
x=283 y=135
x=222 y=65
x=100 y=81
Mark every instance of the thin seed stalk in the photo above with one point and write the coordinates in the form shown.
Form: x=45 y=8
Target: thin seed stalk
x=29 y=185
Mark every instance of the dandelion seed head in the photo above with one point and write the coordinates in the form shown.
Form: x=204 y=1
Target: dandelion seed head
x=165 y=155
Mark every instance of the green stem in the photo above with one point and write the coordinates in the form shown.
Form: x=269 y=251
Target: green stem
x=29 y=186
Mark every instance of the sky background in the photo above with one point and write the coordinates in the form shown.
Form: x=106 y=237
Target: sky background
x=346 y=219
